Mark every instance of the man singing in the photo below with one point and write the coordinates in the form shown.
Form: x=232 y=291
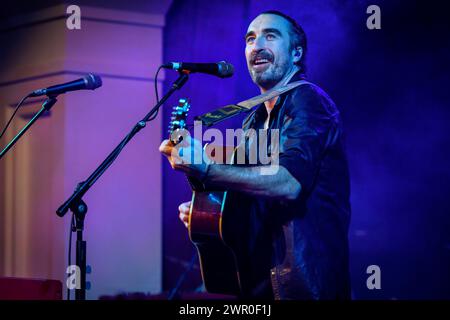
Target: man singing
x=297 y=218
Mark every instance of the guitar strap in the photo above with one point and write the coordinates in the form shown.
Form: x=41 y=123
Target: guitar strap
x=215 y=116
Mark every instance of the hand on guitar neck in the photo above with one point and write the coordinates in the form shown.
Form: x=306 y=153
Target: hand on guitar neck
x=183 y=157
x=183 y=152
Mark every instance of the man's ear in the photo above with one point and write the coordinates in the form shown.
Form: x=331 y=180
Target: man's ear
x=298 y=53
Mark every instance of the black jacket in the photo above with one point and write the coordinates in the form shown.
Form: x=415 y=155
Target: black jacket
x=299 y=249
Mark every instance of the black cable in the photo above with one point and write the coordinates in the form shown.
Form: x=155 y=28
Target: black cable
x=129 y=136
x=156 y=93
x=156 y=84
x=14 y=113
x=72 y=225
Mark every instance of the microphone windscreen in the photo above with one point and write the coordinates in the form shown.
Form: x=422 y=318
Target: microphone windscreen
x=226 y=69
x=93 y=81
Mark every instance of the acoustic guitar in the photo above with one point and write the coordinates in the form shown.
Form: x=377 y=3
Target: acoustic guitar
x=213 y=224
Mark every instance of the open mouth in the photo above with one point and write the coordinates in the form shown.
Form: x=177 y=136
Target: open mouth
x=261 y=62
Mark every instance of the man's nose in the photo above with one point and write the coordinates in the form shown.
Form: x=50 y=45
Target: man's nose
x=259 y=43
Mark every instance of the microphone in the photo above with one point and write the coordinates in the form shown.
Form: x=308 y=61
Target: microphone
x=220 y=69
x=90 y=81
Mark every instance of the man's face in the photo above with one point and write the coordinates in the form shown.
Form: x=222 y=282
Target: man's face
x=268 y=53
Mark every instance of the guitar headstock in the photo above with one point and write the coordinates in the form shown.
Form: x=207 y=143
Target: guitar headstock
x=178 y=121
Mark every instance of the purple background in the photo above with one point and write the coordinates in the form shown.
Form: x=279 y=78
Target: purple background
x=391 y=86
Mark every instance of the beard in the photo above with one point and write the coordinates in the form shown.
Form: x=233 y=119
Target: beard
x=269 y=77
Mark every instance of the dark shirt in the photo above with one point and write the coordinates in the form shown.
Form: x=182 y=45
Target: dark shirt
x=299 y=249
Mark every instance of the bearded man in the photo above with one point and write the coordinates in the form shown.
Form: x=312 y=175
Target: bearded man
x=297 y=219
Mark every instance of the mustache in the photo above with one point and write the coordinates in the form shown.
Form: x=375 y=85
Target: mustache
x=261 y=55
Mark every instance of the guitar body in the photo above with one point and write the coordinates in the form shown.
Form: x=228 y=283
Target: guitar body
x=215 y=223
x=213 y=229
x=218 y=260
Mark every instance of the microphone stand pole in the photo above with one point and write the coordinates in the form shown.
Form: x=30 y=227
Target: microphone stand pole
x=46 y=106
x=79 y=207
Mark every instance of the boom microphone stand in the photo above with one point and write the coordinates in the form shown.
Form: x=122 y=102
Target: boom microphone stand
x=79 y=208
x=46 y=106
